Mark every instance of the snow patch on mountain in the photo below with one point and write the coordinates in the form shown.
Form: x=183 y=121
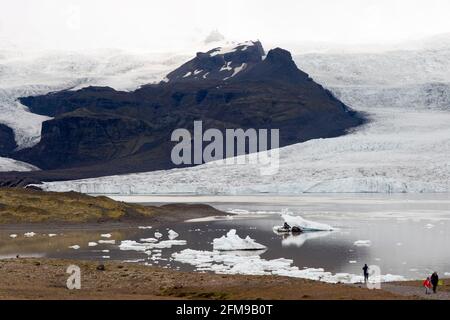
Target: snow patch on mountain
x=7 y=164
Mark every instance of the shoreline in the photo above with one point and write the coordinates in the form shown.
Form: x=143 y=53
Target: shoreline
x=45 y=279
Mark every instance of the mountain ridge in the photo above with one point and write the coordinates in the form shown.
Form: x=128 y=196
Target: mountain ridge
x=103 y=131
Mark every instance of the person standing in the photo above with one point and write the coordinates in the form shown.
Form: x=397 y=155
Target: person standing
x=427 y=285
x=434 y=281
x=366 y=273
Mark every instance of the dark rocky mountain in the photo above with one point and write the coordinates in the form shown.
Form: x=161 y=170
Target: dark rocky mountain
x=219 y=63
x=7 y=141
x=100 y=131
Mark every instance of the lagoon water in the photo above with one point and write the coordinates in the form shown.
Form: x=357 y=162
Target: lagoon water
x=405 y=234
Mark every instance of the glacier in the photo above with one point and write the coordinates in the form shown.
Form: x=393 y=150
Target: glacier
x=31 y=72
x=404 y=148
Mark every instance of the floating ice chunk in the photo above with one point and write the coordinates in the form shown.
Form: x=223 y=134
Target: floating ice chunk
x=105 y=251
x=158 y=235
x=238 y=211
x=106 y=257
x=173 y=235
x=13 y=236
x=167 y=244
x=145 y=227
x=107 y=241
x=352 y=261
x=29 y=234
x=51 y=235
x=130 y=245
x=106 y=235
x=306 y=225
x=231 y=263
x=362 y=243
x=92 y=244
x=429 y=226
x=75 y=247
x=153 y=240
x=232 y=242
x=134 y=261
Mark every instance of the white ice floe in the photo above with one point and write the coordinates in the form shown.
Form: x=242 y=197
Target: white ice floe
x=173 y=235
x=362 y=243
x=29 y=234
x=106 y=257
x=232 y=242
x=145 y=227
x=353 y=261
x=92 y=244
x=158 y=235
x=231 y=263
x=429 y=226
x=153 y=240
x=13 y=236
x=134 y=261
x=106 y=241
x=306 y=225
x=75 y=247
x=52 y=235
x=106 y=235
x=131 y=245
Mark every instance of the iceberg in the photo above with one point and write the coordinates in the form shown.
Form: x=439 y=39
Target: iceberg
x=305 y=225
x=130 y=245
x=362 y=243
x=173 y=235
x=232 y=242
x=29 y=234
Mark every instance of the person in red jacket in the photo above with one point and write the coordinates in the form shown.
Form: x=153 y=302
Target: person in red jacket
x=427 y=285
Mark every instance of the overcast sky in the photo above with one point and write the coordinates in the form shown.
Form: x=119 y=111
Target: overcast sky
x=172 y=24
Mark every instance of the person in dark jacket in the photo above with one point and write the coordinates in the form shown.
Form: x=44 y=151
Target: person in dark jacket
x=434 y=281
x=366 y=273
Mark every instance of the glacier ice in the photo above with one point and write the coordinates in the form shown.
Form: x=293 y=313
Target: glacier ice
x=405 y=148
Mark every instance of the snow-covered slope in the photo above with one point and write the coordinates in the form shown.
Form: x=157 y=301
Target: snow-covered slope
x=41 y=72
x=13 y=165
x=24 y=73
x=405 y=147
